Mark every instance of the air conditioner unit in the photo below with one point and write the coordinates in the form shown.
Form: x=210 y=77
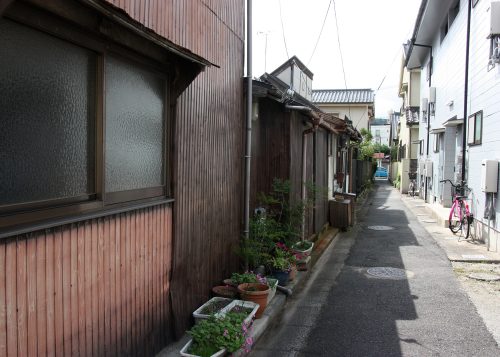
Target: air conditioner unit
x=432 y=95
x=423 y=105
x=495 y=18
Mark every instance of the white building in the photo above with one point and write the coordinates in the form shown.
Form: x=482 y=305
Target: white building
x=381 y=131
x=456 y=63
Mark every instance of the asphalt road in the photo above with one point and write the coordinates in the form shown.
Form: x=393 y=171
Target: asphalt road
x=344 y=310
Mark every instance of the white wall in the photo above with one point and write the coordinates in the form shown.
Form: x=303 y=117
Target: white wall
x=357 y=113
x=484 y=90
x=384 y=131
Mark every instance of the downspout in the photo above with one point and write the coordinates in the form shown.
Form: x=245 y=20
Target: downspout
x=304 y=174
x=248 y=136
x=466 y=91
x=306 y=132
x=428 y=115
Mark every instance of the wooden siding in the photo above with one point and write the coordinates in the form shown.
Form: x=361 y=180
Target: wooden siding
x=192 y=24
x=208 y=173
x=270 y=148
x=95 y=288
x=321 y=178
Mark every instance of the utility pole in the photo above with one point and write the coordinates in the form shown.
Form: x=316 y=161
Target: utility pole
x=265 y=33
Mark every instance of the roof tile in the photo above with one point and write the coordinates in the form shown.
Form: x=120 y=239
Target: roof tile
x=343 y=96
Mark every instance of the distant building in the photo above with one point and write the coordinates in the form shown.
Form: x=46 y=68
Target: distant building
x=381 y=131
x=358 y=105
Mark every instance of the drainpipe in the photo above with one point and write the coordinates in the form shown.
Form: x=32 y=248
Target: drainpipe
x=248 y=138
x=428 y=115
x=317 y=121
x=304 y=174
x=466 y=90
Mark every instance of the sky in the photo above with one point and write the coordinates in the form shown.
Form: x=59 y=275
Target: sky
x=371 y=33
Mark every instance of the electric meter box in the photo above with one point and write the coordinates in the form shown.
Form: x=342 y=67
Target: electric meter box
x=495 y=18
x=428 y=168
x=489 y=175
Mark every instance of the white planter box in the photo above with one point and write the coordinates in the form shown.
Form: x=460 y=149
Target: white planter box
x=246 y=305
x=198 y=315
x=185 y=349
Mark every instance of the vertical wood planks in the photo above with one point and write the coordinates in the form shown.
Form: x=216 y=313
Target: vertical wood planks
x=71 y=291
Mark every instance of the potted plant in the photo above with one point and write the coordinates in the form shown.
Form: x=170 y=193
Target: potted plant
x=302 y=249
x=256 y=292
x=225 y=291
x=218 y=334
x=280 y=264
x=212 y=306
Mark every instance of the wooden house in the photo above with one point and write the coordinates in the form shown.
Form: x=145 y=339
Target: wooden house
x=120 y=170
x=294 y=140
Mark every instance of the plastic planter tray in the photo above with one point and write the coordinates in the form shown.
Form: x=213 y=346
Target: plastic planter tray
x=245 y=304
x=185 y=349
x=198 y=316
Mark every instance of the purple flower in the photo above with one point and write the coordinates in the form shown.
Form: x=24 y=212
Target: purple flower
x=226 y=333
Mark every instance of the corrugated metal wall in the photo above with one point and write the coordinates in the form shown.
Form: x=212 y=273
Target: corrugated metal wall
x=209 y=143
x=96 y=288
x=190 y=23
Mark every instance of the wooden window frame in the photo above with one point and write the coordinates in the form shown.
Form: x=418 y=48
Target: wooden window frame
x=471 y=134
x=143 y=55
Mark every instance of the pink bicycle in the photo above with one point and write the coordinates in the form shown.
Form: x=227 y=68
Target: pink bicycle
x=460 y=218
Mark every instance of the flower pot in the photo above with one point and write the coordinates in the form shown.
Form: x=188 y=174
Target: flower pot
x=257 y=293
x=282 y=275
x=187 y=346
x=199 y=314
x=302 y=254
x=245 y=305
x=225 y=291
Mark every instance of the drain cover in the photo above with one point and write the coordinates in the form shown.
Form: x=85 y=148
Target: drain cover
x=485 y=276
x=380 y=228
x=388 y=273
x=429 y=221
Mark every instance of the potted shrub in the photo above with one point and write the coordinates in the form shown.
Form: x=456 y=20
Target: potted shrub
x=249 y=308
x=280 y=264
x=217 y=335
x=256 y=292
x=212 y=306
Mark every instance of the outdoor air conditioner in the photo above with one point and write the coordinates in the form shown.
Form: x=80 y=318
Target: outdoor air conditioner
x=432 y=95
x=495 y=18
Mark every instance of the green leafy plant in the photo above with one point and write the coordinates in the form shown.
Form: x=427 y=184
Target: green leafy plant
x=238 y=279
x=217 y=332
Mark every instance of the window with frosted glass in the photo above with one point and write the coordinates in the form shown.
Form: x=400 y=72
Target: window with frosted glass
x=134 y=127
x=475 y=128
x=46 y=117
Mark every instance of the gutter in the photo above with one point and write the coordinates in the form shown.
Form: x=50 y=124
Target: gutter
x=466 y=91
x=418 y=22
x=248 y=135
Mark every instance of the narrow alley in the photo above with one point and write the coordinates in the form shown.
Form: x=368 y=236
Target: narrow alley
x=385 y=289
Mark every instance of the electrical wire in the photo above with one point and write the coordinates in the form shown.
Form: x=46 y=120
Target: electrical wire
x=320 y=32
x=283 y=31
x=338 y=40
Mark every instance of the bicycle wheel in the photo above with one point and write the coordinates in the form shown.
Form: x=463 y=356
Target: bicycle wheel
x=465 y=222
x=455 y=223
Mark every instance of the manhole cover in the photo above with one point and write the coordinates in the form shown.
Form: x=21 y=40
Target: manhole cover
x=485 y=276
x=389 y=273
x=380 y=228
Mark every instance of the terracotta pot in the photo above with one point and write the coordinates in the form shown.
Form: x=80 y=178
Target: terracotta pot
x=257 y=293
x=225 y=291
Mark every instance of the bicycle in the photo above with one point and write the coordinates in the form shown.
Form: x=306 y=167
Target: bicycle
x=460 y=218
x=413 y=183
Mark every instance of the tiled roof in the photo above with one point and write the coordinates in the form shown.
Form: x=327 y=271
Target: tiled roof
x=343 y=96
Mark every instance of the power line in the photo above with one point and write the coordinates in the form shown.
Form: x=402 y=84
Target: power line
x=283 y=30
x=338 y=40
x=340 y=51
x=320 y=32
